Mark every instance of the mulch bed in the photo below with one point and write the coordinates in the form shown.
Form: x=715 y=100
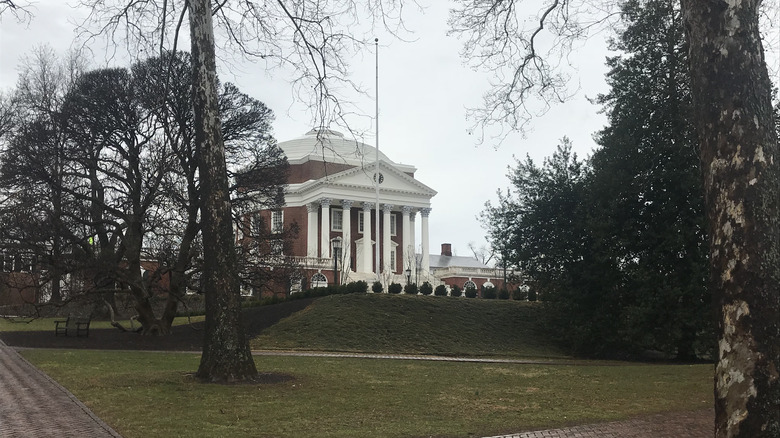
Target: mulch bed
x=183 y=338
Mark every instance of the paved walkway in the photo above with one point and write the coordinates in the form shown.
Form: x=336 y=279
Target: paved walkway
x=35 y=406
x=698 y=424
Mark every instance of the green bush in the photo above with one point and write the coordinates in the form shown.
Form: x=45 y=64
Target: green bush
x=520 y=294
x=426 y=288
x=455 y=291
x=471 y=292
x=395 y=288
x=503 y=294
x=489 y=293
x=532 y=295
x=441 y=291
x=377 y=287
x=410 y=289
x=357 y=287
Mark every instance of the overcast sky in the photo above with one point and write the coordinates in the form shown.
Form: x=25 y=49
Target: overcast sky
x=423 y=95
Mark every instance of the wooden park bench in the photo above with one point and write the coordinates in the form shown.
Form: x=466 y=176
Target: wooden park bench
x=77 y=325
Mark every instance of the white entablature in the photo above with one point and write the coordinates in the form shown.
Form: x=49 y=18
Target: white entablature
x=356 y=184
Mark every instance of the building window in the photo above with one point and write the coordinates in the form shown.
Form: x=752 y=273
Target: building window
x=277 y=247
x=336 y=219
x=255 y=224
x=392 y=260
x=361 y=220
x=319 y=280
x=470 y=285
x=393 y=227
x=277 y=221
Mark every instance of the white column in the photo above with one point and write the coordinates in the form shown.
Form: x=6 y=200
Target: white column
x=408 y=250
x=311 y=232
x=386 y=245
x=425 y=266
x=413 y=239
x=413 y=228
x=325 y=228
x=368 y=250
x=346 y=235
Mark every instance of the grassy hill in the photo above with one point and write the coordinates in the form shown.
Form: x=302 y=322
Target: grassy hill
x=382 y=323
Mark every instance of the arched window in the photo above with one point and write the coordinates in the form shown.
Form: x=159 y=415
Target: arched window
x=487 y=285
x=469 y=285
x=319 y=280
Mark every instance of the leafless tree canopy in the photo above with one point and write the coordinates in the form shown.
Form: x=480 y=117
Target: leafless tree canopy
x=20 y=10
x=313 y=38
x=527 y=52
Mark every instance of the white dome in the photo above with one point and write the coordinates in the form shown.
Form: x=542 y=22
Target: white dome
x=330 y=146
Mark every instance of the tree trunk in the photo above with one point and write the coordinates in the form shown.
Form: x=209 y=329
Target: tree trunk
x=226 y=355
x=739 y=153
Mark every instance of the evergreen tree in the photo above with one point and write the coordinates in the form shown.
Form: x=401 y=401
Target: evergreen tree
x=647 y=186
x=617 y=245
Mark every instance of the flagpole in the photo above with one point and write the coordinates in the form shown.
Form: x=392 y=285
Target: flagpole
x=376 y=165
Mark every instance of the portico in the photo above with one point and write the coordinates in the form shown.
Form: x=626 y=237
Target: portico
x=358 y=254
x=340 y=184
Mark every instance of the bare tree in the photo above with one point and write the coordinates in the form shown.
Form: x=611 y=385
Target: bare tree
x=483 y=253
x=19 y=9
x=313 y=36
x=32 y=173
x=738 y=142
x=739 y=154
x=226 y=354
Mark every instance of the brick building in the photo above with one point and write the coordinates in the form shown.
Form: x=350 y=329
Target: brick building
x=333 y=187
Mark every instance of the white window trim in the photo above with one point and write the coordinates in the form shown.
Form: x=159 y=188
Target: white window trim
x=333 y=213
x=319 y=280
x=393 y=224
x=279 y=230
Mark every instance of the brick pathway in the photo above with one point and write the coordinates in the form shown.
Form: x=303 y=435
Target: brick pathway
x=35 y=406
x=697 y=424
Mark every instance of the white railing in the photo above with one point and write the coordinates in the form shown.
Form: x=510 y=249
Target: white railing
x=468 y=272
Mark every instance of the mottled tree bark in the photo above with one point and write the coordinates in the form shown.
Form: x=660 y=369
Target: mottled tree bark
x=226 y=355
x=739 y=153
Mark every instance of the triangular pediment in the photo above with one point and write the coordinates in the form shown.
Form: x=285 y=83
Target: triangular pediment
x=391 y=179
x=357 y=184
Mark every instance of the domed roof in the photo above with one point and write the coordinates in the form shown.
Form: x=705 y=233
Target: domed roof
x=330 y=146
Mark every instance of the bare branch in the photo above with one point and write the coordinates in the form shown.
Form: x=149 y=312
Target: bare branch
x=527 y=55
x=20 y=10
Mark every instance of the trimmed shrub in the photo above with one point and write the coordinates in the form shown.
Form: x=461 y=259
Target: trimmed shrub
x=410 y=289
x=532 y=295
x=441 y=291
x=377 y=287
x=357 y=287
x=426 y=288
x=489 y=293
x=471 y=292
x=455 y=291
x=520 y=294
x=503 y=294
x=395 y=288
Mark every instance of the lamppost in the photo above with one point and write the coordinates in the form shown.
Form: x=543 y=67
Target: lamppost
x=336 y=256
x=408 y=275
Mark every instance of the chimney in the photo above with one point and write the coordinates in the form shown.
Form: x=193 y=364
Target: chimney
x=446 y=249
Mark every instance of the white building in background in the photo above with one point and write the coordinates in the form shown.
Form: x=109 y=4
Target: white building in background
x=332 y=197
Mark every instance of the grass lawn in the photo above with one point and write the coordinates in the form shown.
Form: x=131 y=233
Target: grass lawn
x=384 y=323
x=144 y=394
x=47 y=324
